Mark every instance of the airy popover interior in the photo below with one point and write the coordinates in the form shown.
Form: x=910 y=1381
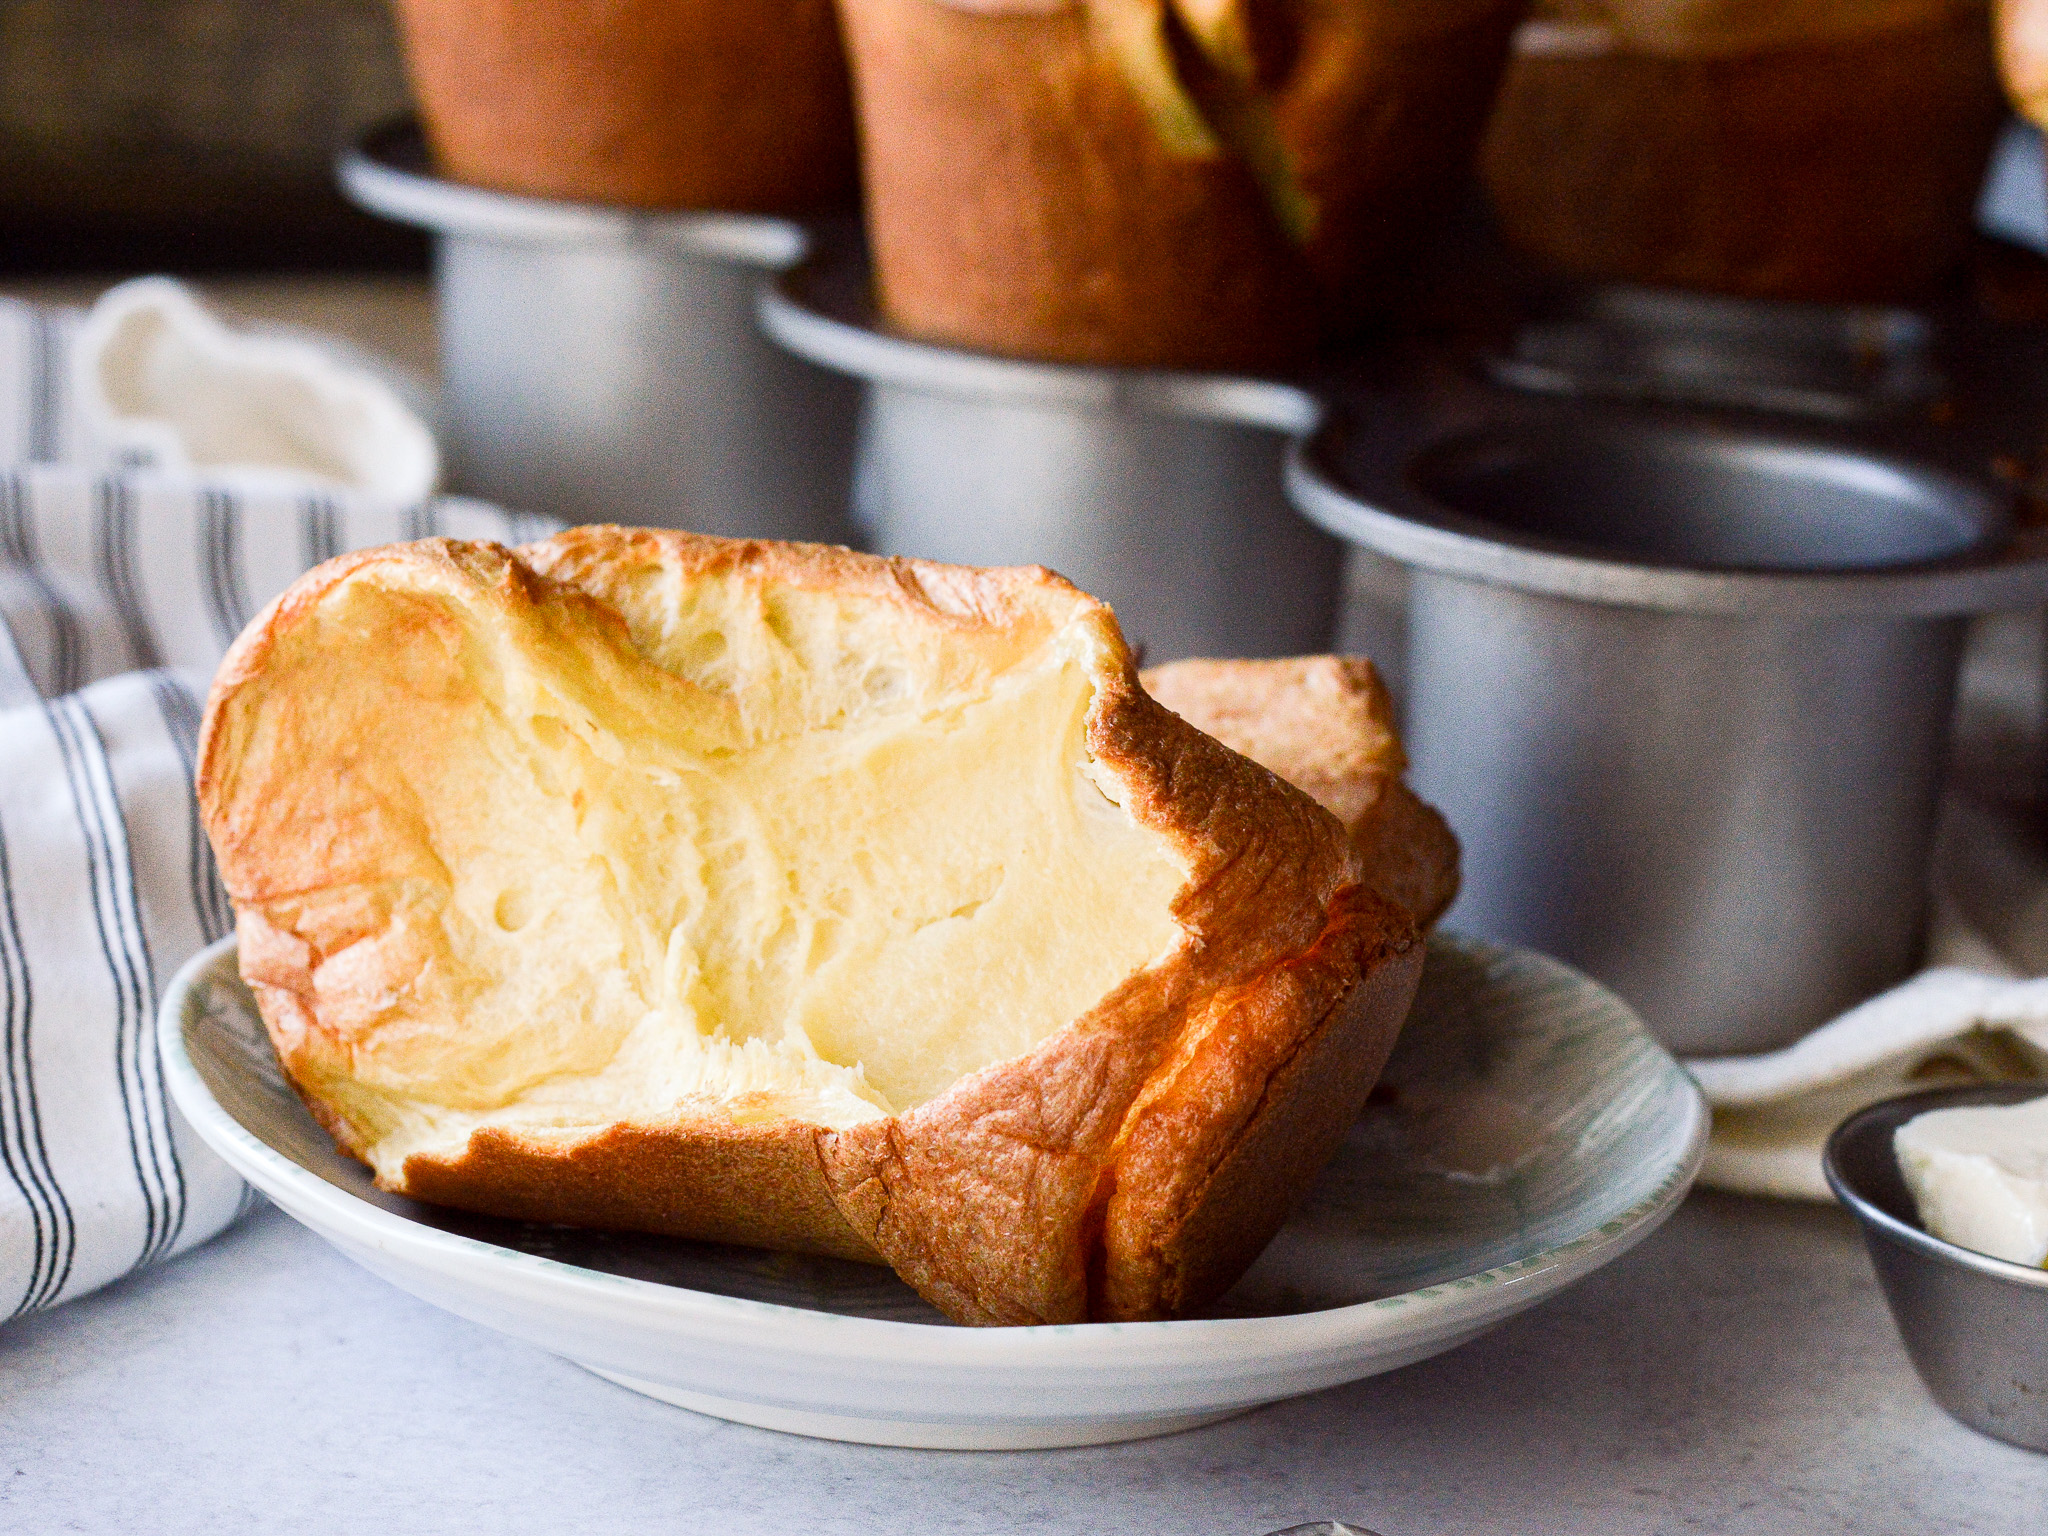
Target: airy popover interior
x=776 y=854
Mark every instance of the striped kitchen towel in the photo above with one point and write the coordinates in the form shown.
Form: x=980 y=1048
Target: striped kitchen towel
x=117 y=598
x=37 y=423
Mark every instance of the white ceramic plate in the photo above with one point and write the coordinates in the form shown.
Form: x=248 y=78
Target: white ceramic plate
x=1527 y=1131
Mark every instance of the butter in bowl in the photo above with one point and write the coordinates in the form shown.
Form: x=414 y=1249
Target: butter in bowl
x=1972 y=1302
x=1979 y=1177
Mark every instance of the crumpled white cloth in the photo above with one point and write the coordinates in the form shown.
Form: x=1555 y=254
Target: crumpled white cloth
x=158 y=382
x=1979 y=1012
x=1772 y=1114
x=118 y=595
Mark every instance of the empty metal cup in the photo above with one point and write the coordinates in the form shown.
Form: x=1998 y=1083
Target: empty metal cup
x=1684 y=693
x=603 y=364
x=1976 y=1327
x=1158 y=492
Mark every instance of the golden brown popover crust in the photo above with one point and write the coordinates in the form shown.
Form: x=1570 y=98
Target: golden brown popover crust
x=1129 y=1166
x=1844 y=170
x=722 y=104
x=1325 y=724
x=1020 y=201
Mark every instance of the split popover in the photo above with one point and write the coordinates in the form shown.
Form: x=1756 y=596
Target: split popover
x=781 y=895
x=1162 y=183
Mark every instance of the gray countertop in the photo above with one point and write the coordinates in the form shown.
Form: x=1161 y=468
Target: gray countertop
x=1737 y=1373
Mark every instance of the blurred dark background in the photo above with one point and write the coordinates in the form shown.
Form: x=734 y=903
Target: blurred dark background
x=192 y=135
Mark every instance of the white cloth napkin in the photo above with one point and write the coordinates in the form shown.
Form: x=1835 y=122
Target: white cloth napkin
x=1979 y=1011
x=158 y=382
x=118 y=594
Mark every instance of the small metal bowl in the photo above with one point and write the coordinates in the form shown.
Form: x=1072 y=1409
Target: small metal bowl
x=1976 y=1327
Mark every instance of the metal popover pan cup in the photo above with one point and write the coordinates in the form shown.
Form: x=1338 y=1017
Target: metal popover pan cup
x=1159 y=492
x=1976 y=1327
x=602 y=364
x=1684 y=690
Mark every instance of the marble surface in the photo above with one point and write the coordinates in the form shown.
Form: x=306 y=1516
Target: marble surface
x=1735 y=1374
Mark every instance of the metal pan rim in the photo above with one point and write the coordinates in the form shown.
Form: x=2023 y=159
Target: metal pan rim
x=1411 y=528
x=385 y=172
x=823 y=311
